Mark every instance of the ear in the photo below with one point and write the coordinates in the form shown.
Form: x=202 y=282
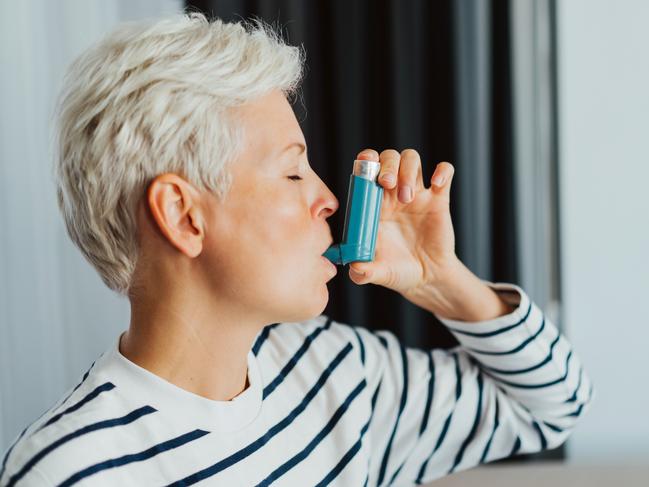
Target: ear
x=174 y=206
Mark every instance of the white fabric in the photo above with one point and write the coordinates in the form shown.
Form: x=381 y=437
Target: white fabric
x=326 y=404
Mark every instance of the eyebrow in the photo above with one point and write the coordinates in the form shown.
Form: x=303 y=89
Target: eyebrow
x=295 y=144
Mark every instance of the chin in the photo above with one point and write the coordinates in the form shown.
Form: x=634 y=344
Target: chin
x=305 y=313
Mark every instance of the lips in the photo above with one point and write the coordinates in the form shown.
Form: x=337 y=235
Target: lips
x=331 y=241
x=330 y=265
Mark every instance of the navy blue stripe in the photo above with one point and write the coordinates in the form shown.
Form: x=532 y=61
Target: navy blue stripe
x=322 y=434
x=294 y=359
x=529 y=369
x=374 y=398
x=544 y=442
x=495 y=332
x=361 y=345
x=396 y=473
x=429 y=398
x=537 y=386
x=573 y=398
x=581 y=406
x=262 y=338
x=85 y=375
x=382 y=339
x=474 y=428
x=6 y=457
x=458 y=392
x=347 y=457
x=493 y=432
x=134 y=457
x=577 y=412
x=516 y=447
x=107 y=386
x=109 y=423
x=437 y=445
x=261 y=441
x=553 y=427
x=83 y=379
x=376 y=395
x=424 y=421
x=442 y=435
x=518 y=348
x=458 y=376
x=402 y=404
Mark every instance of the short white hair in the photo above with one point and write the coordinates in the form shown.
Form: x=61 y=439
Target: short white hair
x=155 y=97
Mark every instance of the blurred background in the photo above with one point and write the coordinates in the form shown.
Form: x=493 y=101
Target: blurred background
x=542 y=106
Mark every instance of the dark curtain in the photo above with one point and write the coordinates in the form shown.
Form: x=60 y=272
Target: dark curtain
x=428 y=75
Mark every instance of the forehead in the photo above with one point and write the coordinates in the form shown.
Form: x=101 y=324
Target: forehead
x=270 y=127
x=271 y=119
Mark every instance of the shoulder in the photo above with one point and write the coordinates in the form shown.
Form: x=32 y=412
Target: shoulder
x=53 y=444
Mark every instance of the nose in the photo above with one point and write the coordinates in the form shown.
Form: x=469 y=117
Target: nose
x=329 y=204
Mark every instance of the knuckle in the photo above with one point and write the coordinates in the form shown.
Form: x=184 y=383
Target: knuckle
x=409 y=153
x=390 y=154
x=409 y=171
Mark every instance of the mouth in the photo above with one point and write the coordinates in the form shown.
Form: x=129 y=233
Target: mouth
x=332 y=267
x=331 y=241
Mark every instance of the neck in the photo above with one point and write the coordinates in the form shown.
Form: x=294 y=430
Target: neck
x=199 y=347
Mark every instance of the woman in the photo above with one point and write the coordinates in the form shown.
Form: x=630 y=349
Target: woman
x=183 y=178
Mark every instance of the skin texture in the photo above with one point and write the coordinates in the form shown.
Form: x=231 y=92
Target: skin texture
x=212 y=274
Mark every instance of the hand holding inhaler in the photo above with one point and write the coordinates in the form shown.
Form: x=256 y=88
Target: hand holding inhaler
x=400 y=244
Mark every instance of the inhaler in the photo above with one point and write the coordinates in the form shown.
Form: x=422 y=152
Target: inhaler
x=364 y=199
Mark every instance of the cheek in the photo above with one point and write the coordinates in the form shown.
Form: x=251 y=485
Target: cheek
x=267 y=261
x=275 y=230
x=267 y=237
x=285 y=229
x=290 y=259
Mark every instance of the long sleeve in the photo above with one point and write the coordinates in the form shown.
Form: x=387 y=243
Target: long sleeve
x=514 y=385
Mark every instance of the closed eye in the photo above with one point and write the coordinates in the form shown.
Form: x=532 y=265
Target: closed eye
x=295 y=178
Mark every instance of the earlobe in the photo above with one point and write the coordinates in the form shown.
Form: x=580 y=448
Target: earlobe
x=174 y=207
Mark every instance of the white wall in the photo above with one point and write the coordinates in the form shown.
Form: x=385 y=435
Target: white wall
x=604 y=173
x=56 y=315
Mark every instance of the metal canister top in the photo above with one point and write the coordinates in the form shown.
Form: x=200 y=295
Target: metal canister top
x=366 y=169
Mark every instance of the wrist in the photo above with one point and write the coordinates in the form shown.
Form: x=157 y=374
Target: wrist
x=458 y=294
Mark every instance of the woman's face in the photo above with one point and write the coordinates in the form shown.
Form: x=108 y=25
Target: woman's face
x=265 y=241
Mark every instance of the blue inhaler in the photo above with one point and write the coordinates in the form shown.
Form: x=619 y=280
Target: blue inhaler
x=364 y=199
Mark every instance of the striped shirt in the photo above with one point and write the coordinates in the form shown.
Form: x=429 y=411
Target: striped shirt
x=328 y=403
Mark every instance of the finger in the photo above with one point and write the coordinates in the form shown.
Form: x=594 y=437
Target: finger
x=368 y=155
x=409 y=169
x=389 y=173
x=441 y=179
x=374 y=274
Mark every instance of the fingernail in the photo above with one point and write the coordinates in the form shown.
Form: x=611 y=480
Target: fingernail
x=388 y=178
x=405 y=193
x=357 y=272
x=439 y=180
